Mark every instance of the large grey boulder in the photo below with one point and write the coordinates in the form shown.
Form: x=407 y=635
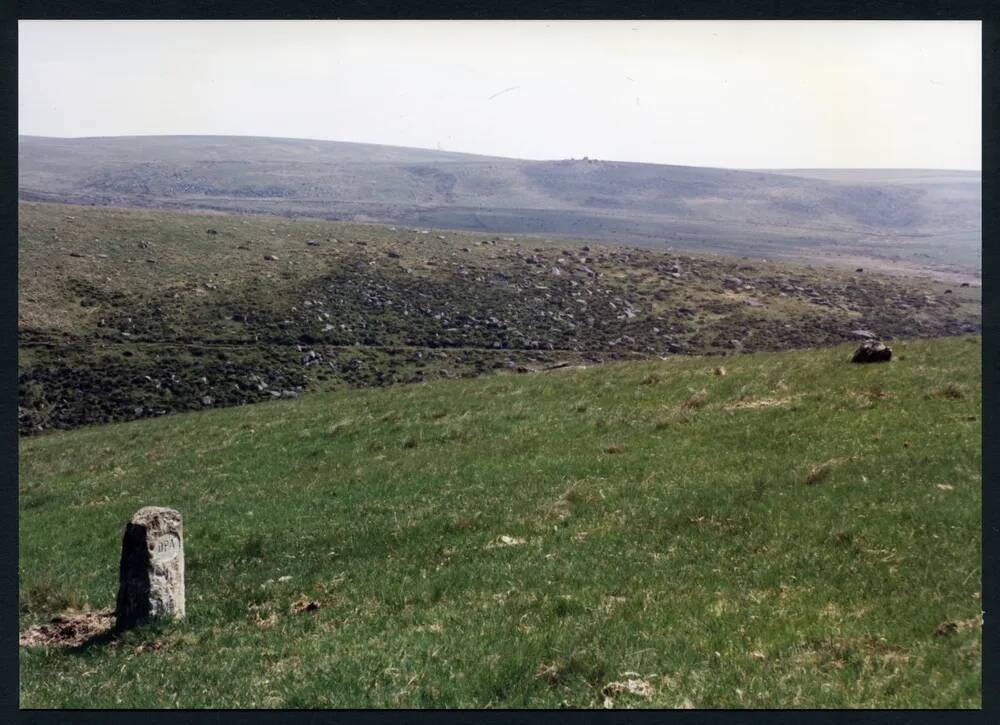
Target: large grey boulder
x=151 y=573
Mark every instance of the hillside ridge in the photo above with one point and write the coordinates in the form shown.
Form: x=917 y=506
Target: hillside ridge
x=771 y=214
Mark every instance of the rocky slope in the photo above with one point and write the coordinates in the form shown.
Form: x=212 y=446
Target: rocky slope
x=126 y=314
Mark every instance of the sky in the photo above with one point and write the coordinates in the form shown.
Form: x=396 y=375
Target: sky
x=751 y=94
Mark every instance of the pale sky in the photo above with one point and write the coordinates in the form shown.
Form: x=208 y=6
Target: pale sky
x=749 y=94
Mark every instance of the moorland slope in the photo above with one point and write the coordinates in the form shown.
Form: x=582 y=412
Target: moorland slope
x=895 y=218
x=134 y=313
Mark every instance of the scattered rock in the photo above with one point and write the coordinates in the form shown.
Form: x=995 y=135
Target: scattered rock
x=270 y=258
x=504 y=540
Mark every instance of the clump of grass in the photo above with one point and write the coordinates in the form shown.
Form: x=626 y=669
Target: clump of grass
x=843 y=537
x=612 y=450
x=338 y=427
x=651 y=379
x=574 y=495
x=818 y=474
x=948 y=391
x=551 y=673
x=410 y=442
x=465 y=522
x=34 y=496
x=46 y=594
x=821 y=472
x=867 y=398
x=253 y=546
x=696 y=401
x=454 y=433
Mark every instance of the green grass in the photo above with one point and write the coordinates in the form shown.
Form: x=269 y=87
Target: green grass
x=793 y=539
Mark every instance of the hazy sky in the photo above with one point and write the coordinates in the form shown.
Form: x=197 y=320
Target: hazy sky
x=717 y=93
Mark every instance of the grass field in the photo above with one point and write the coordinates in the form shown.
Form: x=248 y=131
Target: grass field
x=791 y=532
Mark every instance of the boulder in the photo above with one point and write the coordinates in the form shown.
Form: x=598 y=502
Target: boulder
x=872 y=351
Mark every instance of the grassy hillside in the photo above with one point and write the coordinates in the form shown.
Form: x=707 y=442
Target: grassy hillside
x=795 y=532
x=128 y=314
x=774 y=215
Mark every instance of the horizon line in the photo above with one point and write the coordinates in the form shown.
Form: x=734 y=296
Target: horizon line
x=489 y=155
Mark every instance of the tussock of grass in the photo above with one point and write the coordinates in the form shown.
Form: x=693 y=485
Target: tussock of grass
x=339 y=427
x=44 y=593
x=253 y=546
x=948 y=391
x=694 y=570
x=696 y=401
x=821 y=472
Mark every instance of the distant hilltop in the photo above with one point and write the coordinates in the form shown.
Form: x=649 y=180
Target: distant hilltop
x=930 y=218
